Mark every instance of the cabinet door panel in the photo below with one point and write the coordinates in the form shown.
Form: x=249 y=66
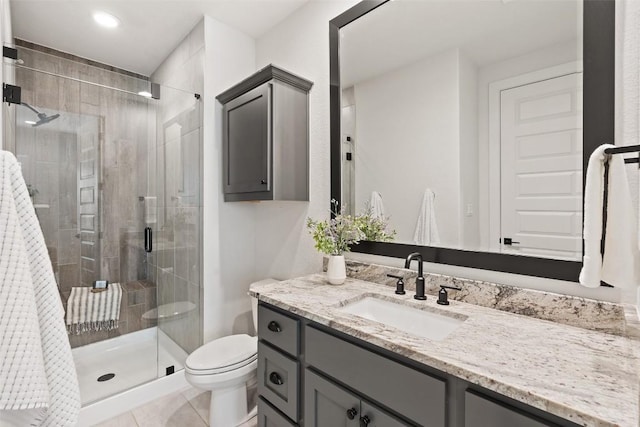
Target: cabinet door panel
x=247 y=142
x=326 y=405
x=269 y=417
x=481 y=412
x=377 y=418
x=417 y=396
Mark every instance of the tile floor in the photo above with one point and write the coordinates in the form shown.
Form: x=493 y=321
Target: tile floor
x=189 y=408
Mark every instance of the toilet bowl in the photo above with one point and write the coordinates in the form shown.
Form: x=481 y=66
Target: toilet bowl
x=225 y=366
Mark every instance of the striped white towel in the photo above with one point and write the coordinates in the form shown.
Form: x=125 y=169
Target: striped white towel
x=88 y=311
x=38 y=383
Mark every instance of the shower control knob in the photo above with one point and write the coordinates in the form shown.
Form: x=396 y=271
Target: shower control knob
x=351 y=413
x=263 y=181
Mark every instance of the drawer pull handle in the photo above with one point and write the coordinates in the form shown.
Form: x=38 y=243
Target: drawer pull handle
x=274 y=326
x=351 y=413
x=275 y=378
x=364 y=421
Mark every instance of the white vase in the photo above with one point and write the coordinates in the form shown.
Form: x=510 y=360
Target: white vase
x=336 y=270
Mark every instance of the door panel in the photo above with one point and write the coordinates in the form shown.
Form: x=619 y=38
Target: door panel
x=326 y=405
x=247 y=142
x=541 y=168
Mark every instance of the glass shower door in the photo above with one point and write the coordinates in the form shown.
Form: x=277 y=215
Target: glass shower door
x=87 y=152
x=176 y=262
x=104 y=163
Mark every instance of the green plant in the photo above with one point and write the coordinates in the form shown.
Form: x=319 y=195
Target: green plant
x=374 y=229
x=334 y=236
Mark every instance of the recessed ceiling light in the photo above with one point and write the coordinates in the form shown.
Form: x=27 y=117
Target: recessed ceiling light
x=106 y=19
x=145 y=94
x=30 y=122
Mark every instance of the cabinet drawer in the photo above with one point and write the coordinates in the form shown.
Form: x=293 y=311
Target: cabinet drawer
x=269 y=417
x=482 y=412
x=417 y=396
x=278 y=380
x=279 y=330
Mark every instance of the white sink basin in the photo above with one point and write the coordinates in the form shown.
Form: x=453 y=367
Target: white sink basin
x=408 y=319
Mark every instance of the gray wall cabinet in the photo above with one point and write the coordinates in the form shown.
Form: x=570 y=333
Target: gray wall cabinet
x=266 y=137
x=310 y=375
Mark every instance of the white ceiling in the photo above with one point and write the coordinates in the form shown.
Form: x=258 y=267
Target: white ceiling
x=149 y=29
x=488 y=31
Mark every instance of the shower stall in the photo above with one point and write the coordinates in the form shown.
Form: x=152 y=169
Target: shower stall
x=114 y=176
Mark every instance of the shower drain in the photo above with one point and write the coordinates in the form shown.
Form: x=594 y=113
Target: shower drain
x=105 y=377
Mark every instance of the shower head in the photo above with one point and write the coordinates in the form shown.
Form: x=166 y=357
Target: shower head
x=42 y=117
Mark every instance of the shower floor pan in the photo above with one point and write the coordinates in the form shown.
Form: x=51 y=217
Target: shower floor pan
x=124 y=362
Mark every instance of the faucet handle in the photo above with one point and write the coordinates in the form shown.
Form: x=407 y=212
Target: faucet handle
x=443 y=295
x=399 y=284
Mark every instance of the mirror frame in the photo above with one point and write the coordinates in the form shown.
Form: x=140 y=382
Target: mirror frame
x=598 y=128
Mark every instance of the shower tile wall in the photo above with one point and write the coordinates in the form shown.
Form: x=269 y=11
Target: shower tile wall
x=117 y=130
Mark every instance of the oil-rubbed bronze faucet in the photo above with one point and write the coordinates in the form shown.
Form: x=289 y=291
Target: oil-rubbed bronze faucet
x=419 y=280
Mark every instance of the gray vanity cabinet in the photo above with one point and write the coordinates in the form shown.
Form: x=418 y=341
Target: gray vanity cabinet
x=266 y=137
x=327 y=405
x=310 y=375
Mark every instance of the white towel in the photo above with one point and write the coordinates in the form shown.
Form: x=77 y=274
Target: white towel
x=619 y=268
x=427 y=229
x=37 y=372
x=88 y=311
x=377 y=206
x=150 y=210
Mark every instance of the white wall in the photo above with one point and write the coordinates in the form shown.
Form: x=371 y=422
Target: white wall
x=469 y=199
x=299 y=44
x=408 y=127
x=228 y=228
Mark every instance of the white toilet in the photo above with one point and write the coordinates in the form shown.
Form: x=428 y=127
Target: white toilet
x=225 y=366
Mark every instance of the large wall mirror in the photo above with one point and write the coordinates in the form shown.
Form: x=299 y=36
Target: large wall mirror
x=466 y=124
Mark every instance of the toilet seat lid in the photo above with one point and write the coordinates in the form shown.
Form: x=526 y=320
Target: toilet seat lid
x=223 y=352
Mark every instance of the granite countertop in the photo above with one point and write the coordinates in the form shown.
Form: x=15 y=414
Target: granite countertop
x=588 y=377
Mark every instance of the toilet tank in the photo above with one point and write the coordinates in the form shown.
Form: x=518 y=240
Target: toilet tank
x=254 y=301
